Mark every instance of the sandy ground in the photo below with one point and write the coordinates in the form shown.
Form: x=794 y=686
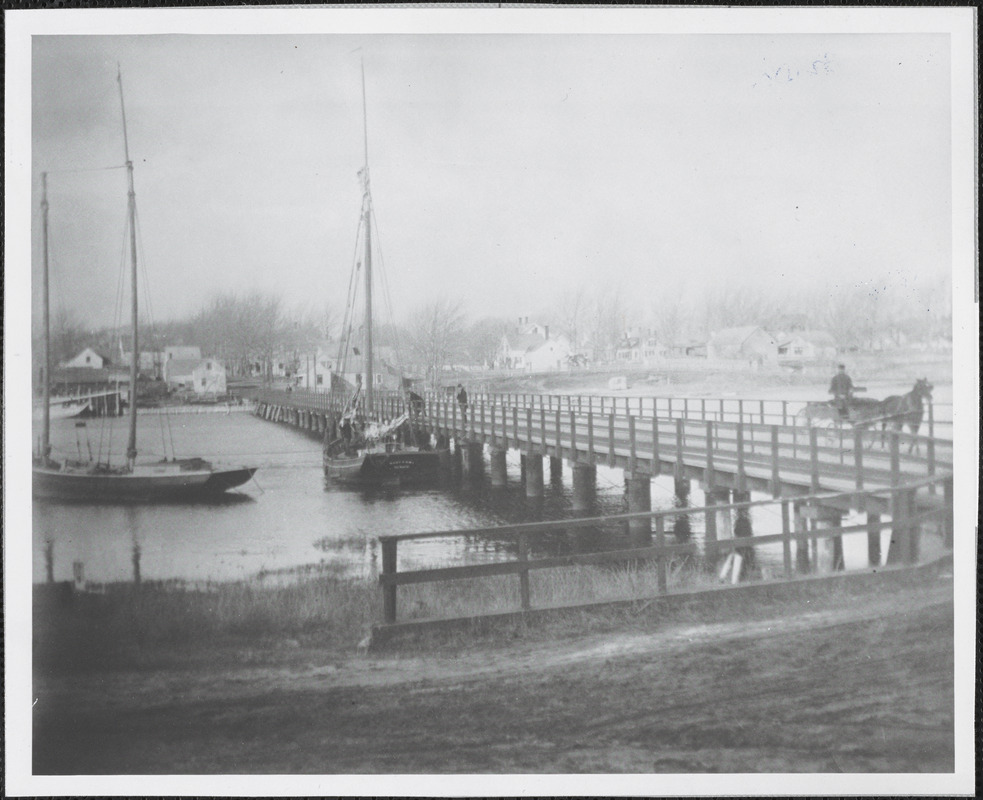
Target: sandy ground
x=811 y=685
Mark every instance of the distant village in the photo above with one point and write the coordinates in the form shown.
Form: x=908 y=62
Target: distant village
x=189 y=373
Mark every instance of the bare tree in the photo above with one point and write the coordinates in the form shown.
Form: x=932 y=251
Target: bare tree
x=436 y=333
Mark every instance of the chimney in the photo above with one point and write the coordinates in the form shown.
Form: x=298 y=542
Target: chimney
x=546 y=331
x=520 y=321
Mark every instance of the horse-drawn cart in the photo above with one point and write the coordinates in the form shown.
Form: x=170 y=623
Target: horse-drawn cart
x=866 y=412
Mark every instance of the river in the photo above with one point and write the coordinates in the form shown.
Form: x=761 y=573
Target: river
x=290 y=522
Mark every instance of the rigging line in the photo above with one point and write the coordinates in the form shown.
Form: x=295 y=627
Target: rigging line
x=164 y=419
x=388 y=296
x=343 y=340
x=117 y=314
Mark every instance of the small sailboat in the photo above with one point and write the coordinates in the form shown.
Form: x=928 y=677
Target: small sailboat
x=70 y=479
x=62 y=408
x=372 y=452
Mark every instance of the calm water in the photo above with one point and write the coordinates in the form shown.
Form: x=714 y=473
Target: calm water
x=289 y=521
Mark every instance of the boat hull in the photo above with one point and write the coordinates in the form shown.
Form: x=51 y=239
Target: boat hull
x=400 y=467
x=145 y=484
x=61 y=410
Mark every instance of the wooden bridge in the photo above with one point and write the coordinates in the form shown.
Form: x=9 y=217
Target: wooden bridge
x=726 y=447
x=732 y=447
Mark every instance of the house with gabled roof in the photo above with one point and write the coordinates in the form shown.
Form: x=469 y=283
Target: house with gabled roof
x=88 y=359
x=806 y=345
x=750 y=342
x=200 y=375
x=531 y=348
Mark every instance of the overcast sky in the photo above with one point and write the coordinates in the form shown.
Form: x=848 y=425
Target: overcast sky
x=505 y=168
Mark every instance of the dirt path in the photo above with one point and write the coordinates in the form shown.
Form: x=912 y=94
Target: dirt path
x=842 y=686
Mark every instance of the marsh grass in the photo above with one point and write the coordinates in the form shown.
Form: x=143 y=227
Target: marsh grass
x=125 y=622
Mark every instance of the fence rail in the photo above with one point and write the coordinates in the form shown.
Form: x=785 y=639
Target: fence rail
x=905 y=524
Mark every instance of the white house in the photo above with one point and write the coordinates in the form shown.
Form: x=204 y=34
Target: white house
x=809 y=345
x=640 y=350
x=532 y=349
x=200 y=375
x=89 y=359
x=751 y=342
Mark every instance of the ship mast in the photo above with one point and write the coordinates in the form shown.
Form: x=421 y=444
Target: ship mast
x=367 y=203
x=46 y=381
x=131 y=445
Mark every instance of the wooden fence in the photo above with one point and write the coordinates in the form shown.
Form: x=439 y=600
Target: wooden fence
x=905 y=524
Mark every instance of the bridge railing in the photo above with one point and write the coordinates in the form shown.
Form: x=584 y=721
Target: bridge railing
x=861 y=456
x=905 y=524
x=726 y=409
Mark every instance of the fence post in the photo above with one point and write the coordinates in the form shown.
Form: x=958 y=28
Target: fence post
x=573 y=435
x=813 y=460
x=741 y=480
x=679 y=469
x=611 y=439
x=482 y=418
x=895 y=459
x=786 y=541
x=528 y=429
x=776 y=486
x=524 y=574
x=632 y=466
x=660 y=541
x=656 y=466
x=454 y=418
x=708 y=472
x=389 y=590
x=590 y=436
x=542 y=430
x=931 y=446
x=515 y=424
x=559 y=438
x=858 y=462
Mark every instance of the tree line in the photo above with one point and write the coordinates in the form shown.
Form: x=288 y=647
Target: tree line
x=249 y=332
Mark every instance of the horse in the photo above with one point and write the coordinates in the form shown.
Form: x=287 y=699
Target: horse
x=906 y=409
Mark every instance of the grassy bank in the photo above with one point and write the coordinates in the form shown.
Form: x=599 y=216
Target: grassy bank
x=133 y=626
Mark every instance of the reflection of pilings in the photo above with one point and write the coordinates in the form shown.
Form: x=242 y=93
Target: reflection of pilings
x=556 y=469
x=136 y=563
x=718 y=523
x=498 y=467
x=742 y=528
x=828 y=556
x=801 y=543
x=534 y=475
x=873 y=539
x=639 y=491
x=584 y=486
x=49 y=560
x=473 y=459
x=682 y=489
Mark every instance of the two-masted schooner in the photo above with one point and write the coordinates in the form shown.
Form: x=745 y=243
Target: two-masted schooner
x=79 y=479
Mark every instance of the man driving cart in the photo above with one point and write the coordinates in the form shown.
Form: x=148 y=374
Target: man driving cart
x=841 y=387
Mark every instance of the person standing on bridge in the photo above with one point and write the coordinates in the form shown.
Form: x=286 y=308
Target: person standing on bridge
x=462 y=401
x=841 y=387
